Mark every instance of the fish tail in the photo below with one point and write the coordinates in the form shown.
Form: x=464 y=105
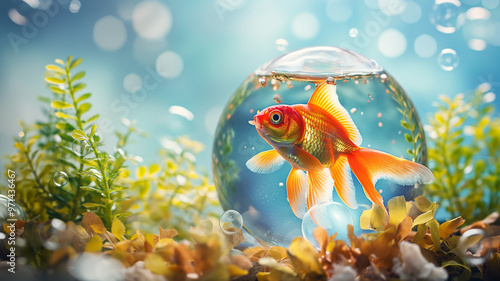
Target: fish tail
x=369 y=165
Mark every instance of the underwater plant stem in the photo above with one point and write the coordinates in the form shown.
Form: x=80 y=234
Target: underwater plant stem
x=33 y=171
x=76 y=198
x=107 y=193
x=453 y=192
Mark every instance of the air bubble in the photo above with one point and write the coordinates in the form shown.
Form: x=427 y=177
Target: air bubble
x=353 y=32
x=230 y=220
x=80 y=147
x=448 y=59
x=60 y=178
x=331 y=216
x=277 y=98
x=263 y=81
x=447 y=16
x=330 y=80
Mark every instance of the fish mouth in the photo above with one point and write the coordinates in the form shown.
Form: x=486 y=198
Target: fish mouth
x=256 y=122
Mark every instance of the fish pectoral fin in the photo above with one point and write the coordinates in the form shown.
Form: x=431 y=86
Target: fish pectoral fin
x=308 y=161
x=320 y=187
x=325 y=96
x=265 y=162
x=342 y=180
x=296 y=188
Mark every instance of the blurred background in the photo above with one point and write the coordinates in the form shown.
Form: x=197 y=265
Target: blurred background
x=172 y=65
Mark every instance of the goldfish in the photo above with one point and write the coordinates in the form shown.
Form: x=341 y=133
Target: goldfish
x=323 y=145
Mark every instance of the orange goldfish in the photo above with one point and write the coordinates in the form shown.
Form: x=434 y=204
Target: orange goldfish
x=321 y=139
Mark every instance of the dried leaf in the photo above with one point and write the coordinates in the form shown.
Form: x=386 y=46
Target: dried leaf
x=448 y=227
x=168 y=233
x=424 y=218
x=90 y=221
x=304 y=259
x=422 y=203
x=434 y=227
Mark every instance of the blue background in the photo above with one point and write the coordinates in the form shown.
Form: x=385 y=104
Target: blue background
x=220 y=43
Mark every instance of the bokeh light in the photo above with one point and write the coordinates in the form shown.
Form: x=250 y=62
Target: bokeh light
x=305 y=26
x=151 y=19
x=392 y=43
x=109 y=33
x=339 y=10
x=425 y=46
x=169 y=64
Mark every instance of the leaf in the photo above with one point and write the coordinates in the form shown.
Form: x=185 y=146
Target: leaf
x=154 y=168
x=59 y=61
x=93 y=118
x=90 y=188
x=54 y=80
x=140 y=172
x=51 y=67
x=424 y=218
x=64 y=116
x=168 y=233
x=79 y=135
x=60 y=104
x=94 y=245
x=92 y=205
x=84 y=107
x=20 y=146
x=92 y=130
x=89 y=220
x=466 y=274
x=75 y=63
x=422 y=203
x=78 y=87
x=434 y=227
x=57 y=90
x=83 y=97
x=77 y=76
x=364 y=220
x=448 y=227
x=118 y=229
x=304 y=259
x=405 y=124
x=408 y=138
x=397 y=210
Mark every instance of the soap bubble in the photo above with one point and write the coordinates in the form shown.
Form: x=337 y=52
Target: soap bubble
x=260 y=198
x=471 y=247
x=331 y=216
x=15 y=212
x=80 y=147
x=448 y=59
x=447 y=15
x=60 y=178
x=230 y=219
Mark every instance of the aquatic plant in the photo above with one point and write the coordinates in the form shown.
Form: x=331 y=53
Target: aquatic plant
x=464 y=148
x=64 y=171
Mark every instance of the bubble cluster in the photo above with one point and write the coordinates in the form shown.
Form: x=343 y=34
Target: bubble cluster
x=230 y=219
x=333 y=217
x=60 y=178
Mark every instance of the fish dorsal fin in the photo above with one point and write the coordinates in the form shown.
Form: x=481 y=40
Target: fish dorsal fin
x=325 y=96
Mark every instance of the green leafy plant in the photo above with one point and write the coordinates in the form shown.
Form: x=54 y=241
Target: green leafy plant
x=464 y=149
x=65 y=172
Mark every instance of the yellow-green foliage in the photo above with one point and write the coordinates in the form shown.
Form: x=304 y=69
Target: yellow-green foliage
x=464 y=149
x=171 y=193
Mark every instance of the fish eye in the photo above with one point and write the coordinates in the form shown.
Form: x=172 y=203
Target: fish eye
x=276 y=117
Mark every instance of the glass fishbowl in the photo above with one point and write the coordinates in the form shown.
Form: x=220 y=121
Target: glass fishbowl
x=380 y=108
